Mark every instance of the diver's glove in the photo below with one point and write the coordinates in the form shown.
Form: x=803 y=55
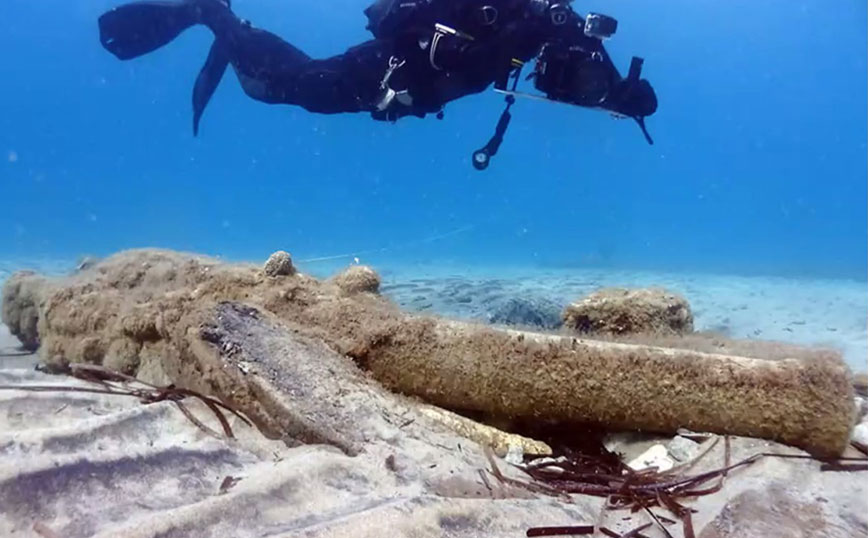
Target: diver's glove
x=635 y=99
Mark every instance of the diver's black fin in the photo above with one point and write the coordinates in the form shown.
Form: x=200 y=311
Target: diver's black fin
x=641 y=121
x=207 y=81
x=134 y=29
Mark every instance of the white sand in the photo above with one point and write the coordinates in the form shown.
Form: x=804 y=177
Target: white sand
x=11 y=355
x=7 y=341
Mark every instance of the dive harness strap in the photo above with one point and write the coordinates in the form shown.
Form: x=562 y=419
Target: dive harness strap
x=442 y=31
x=388 y=95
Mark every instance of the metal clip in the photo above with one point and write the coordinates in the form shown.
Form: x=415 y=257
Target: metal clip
x=389 y=94
x=488 y=15
x=393 y=66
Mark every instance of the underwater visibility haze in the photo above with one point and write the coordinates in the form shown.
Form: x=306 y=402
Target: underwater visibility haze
x=758 y=166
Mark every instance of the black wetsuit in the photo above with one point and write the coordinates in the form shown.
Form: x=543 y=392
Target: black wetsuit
x=274 y=71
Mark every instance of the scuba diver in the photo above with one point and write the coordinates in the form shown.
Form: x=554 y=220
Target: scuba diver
x=423 y=55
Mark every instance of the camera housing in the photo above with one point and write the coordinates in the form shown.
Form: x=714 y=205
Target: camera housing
x=600 y=26
x=574 y=68
x=572 y=75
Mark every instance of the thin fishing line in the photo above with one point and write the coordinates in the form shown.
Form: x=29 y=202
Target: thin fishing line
x=423 y=241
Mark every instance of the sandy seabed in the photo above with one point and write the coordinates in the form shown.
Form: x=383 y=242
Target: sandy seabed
x=11 y=356
x=814 y=312
x=85 y=465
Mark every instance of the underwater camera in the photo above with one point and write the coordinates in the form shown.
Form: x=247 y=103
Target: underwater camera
x=572 y=75
x=600 y=26
x=576 y=71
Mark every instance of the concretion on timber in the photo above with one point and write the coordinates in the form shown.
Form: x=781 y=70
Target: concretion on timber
x=146 y=312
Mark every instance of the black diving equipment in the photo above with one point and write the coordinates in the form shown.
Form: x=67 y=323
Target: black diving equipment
x=600 y=26
x=571 y=65
x=572 y=75
x=578 y=73
x=482 y=157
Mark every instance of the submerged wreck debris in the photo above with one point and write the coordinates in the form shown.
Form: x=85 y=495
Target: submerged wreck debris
x=358 y=279
x=20 y=310
x=167 y=313
x=343 y=389
x=279 y=264
x=573 y=530
x=630 y=311
x=498 y=440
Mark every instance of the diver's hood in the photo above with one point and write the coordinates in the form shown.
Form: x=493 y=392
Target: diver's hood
x=376 y=12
